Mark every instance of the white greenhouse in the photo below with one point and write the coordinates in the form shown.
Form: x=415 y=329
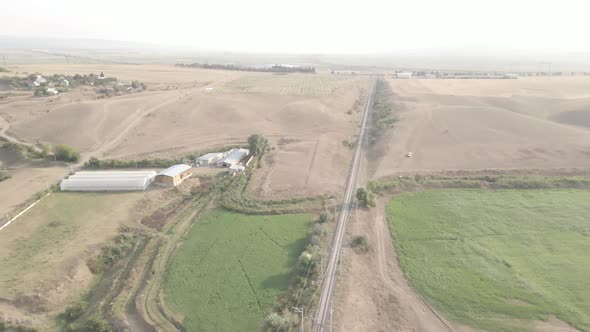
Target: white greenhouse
x=108 y=181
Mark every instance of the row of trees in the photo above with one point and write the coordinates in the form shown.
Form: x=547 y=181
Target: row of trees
x=382 y=117
x=61 y=152
x=273 y=69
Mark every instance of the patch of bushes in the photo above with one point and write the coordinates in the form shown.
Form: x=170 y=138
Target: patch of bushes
x=97 y=324
x=349 y=144
x=111 y=253
x=366 y=197
x=15 y=82
x=65 y=152
x=275 y=322
x=360 y=243
x=22 y=151
x=15 y=327
x=4 y=176
x=325 y=217
x=73 y=312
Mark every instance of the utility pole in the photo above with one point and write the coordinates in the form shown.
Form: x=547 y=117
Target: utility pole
x=300 y=310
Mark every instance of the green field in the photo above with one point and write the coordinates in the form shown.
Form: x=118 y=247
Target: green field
x=291 y=84
x=232 y=267
x=497 y=260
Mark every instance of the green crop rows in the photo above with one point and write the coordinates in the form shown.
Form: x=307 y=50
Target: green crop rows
x=231 y=268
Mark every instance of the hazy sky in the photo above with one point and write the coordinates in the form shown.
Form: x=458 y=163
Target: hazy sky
x=311 y=26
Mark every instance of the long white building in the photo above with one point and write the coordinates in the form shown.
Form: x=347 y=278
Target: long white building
x=108 y=181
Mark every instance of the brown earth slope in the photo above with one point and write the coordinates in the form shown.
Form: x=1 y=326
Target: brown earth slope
x=471 y=124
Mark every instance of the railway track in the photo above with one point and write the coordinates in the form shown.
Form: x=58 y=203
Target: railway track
x=324 y=306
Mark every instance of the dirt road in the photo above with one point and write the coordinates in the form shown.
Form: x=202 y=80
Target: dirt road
x=373 y=294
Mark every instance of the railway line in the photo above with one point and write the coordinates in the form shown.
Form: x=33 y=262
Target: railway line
x=323 y=310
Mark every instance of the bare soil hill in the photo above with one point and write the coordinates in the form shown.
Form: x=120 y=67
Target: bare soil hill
x=479 y=124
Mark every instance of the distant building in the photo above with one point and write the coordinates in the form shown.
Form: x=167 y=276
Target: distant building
x=209 y=159
x=404 y=75
x=234 y=156
x=173 y=176
x=39 y=80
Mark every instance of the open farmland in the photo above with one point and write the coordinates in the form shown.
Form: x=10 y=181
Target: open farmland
x=231 y=268
x=305 y=117
x=498 y=260
x=292 y=84
x=528 y=123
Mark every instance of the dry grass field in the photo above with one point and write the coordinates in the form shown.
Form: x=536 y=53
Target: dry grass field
x=43 y=254
x=528 y=123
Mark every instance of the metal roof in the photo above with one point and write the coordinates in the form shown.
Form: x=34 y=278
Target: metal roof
x=175 y=170
x=234 y=156
x=209 y=156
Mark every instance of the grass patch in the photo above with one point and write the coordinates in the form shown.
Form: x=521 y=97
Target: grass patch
x=232 y=267
x=41 y=246
x=497 y=259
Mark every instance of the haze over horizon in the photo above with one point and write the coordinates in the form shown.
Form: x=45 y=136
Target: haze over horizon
x=334 y=27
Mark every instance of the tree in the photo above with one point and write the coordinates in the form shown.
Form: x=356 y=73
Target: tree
x=258 y=144
x=74 y=311
x=360 y=242
x=275 y=323
x=66 y=153
x=45 y=150
x=97 y=324
x=365 y=197
x=93 y=162
x=325 y=217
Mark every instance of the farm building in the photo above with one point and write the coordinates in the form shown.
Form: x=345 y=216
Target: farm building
x=173 y=175
x=234 y=156
x=404 y=75
x=108 y=181
x=235 y=169
x=209 y=159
